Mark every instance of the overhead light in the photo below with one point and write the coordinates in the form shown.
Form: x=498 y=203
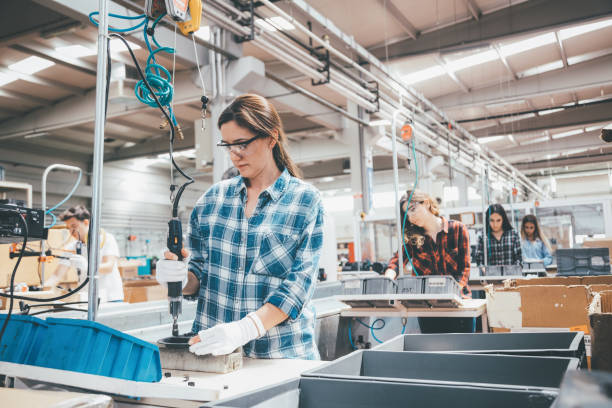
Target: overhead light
x=380 y=122
x=583 y=29
x=31 y=65
x=596 y=127
x=76 y=51
x=514 y=118
x=553 y=185
x=34 y=135
x=327 y=179
x=424 y=75
x=566 y=134
x=7 y=78
x=534 y=141
x=274 y=24
x=527 y=44
x=541 y=69
x=489 y=139
x=203 y=33
x=472 y=60
x=549 y=111
x=129 y=144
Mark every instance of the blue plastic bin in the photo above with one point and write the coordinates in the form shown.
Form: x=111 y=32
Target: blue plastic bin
x=93 y=348
x=22 y=339
x=143 y=269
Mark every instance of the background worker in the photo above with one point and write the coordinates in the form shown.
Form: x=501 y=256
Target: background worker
x=255 y=243
x=534 y=243
x=110 y=286
x=503 y=242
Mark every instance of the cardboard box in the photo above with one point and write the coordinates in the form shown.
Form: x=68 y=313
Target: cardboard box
x=600 y=316
x=128 y=268
x=599 y=243
x=143 y=290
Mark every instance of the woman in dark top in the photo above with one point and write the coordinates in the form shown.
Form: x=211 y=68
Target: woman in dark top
x=503 y=242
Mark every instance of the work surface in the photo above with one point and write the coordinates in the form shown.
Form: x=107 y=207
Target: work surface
x=181 y=389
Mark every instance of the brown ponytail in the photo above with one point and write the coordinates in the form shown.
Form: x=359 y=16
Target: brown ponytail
x=258 y=115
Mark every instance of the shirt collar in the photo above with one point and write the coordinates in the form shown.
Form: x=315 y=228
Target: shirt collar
x=444 y=225
x=275 y=190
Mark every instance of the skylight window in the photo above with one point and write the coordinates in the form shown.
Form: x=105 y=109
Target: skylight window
x=549 y=111
x=528 y=44
x=566 y=134
x=472 y=60
x=274 y=24
x=31 y=65
x=489 y=139
x=534 y=141
x=424 y=74
x=76 y=51
x=583 y=29
x=6 y=79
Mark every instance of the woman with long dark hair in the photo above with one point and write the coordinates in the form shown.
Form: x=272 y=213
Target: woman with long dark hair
x=503 y=243
x=534 y=243
x=255 y=242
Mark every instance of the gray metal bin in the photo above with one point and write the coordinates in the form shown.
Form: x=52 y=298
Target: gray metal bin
x=442 y=284
x=328 y=393
x=561 y=344
x=379 y=286
x=478 y=369
x=352 y=286
x=410 y=285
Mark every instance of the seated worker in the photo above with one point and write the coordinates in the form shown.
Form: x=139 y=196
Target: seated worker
x=534 y=243
x=110 y=286
x=436 y=246
x=503 y=243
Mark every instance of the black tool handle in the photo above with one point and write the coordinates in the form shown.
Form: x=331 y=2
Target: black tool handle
x=175 y=237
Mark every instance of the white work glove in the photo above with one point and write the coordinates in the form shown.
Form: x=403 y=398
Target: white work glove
x=171 y=271
x=224 y=338
x=78 y=262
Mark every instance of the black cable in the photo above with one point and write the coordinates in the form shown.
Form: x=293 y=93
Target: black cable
x=12 y=287
x=190 y=180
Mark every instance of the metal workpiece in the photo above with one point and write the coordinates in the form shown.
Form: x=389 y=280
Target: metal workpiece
x=561 y=344
x=175 y=355
x=526 y=372
x=336 y=393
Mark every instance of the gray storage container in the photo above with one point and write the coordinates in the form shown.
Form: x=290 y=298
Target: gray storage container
x=583 y=261
x=479 y=369
x=327 y=289
x=328 y=393
x=410 y=285
x=352 y=286
x=561 y=344
x=512 y=270
x=494 y=270
x=379 y=285
x=444 y=284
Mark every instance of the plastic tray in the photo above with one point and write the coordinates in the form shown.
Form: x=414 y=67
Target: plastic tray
x=410 y=285
x=379 y=286
x=93 y=348
x=329 y=393
x=561 y=344
x=583 y=261
x=352 y=286
x=22 y=339
x=480 y=369
x=445 y=284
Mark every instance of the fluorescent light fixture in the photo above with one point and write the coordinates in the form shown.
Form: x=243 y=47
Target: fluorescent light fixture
x=517 y=117
x=553 y=184
x=7 y=78
x=451 y=193
x=512 y=139
x=528 y=44
x=129 y=144
x=534 y=141
x=76 y=51
x=327 y=179
x=274 y=24
x=583 y=29
x=592 y=128
x=380 y=122
x=489 y=139
x=31 y=65
x=566 y=134
x=472 y=60
x=424 y=75
x=541 y=69
x=549 y=111
x=34 y=135
x=203 y=33
x=577 y=59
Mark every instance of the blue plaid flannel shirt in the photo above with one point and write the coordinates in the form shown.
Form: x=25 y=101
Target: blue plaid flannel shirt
x=271 y=257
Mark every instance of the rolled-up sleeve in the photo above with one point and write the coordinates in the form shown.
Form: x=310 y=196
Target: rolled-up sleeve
x=198 y=247
x=298 y=287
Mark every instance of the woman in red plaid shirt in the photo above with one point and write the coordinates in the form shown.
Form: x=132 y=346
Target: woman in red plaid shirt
x=437 y=246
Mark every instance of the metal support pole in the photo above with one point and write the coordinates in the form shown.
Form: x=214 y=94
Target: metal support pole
x=44 y=208
x=484 y=214
x=400 y=240
x=98 y=160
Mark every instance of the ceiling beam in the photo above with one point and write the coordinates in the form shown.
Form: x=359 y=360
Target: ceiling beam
x=474 y=9
x=42 y=81
x=52 y=55
x=591 y=74
x=600 y=157
x=451 y=74
x=584 y=140
x=82 y=110
x=527 y=17
x=79 y=10
x=151 y=147
x=570 y=116
x=561 y=49
x=33 y=100
x=400 y=18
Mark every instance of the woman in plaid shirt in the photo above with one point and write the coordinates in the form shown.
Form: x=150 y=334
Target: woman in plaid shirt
x=503 y=243
x=255 y=243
